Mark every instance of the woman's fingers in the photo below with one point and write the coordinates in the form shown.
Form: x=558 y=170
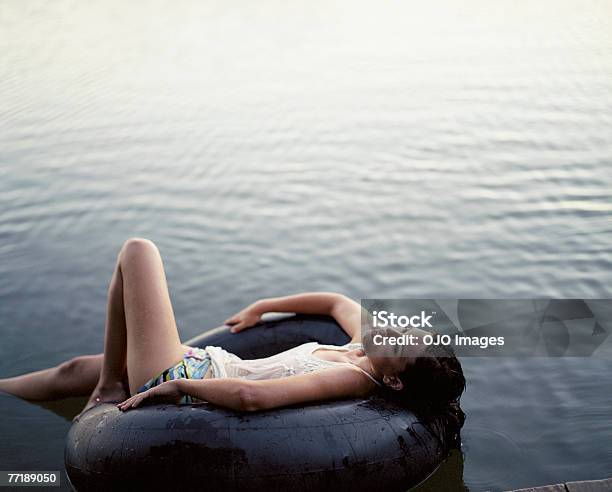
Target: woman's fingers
x=124 y=404
x=238 y=327
x=133 y=401
x=165 y=391
x=137 y=401
x=232 y=319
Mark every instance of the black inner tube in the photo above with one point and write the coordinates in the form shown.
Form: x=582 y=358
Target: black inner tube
x=353 y=444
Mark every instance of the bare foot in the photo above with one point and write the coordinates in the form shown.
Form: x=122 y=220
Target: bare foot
x=108 y=393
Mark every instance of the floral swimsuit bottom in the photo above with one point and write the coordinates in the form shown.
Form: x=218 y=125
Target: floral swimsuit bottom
x=193 y=365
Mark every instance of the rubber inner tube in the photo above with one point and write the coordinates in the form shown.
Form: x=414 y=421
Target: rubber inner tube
x=355 y=444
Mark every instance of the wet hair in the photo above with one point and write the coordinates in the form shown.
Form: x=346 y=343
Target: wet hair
x=432 y=388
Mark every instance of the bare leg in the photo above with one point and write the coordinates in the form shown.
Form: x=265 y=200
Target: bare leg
x=101 y=376
x=76 y=377
x=109 y=386
x=141 y=332
x=147 y=341
x=113 y=366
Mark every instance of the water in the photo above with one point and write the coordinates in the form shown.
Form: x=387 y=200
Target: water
x=378 y=150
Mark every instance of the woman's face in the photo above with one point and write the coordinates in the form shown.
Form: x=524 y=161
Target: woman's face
x=389 y=359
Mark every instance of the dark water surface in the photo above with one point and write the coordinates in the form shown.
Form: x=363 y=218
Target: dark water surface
x=271 y=148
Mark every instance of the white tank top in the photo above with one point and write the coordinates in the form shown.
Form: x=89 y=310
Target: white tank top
x=298 y=360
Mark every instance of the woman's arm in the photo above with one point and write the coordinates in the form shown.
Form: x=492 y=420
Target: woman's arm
x=344 y=310
x=249 y=396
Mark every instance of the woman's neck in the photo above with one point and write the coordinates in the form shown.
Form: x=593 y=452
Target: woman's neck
x=366 y=364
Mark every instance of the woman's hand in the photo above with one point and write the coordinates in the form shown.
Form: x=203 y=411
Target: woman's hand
x=167 y=392
x=246 y=318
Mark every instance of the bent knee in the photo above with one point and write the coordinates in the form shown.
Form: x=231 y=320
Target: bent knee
x=71 y=367
x=136 y=246
x=82 y=366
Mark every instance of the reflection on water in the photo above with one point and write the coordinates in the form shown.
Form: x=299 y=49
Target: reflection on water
x=479 y=442
x=449 y=150
x=448 y=477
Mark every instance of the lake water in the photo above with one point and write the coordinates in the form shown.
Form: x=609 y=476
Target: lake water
x=380 y=150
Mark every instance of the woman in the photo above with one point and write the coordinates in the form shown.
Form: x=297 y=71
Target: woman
x=142 y=347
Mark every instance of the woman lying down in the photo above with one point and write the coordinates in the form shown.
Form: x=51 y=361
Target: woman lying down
x=144 y=360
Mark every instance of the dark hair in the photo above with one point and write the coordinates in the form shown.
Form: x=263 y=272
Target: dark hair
x=432 y=388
